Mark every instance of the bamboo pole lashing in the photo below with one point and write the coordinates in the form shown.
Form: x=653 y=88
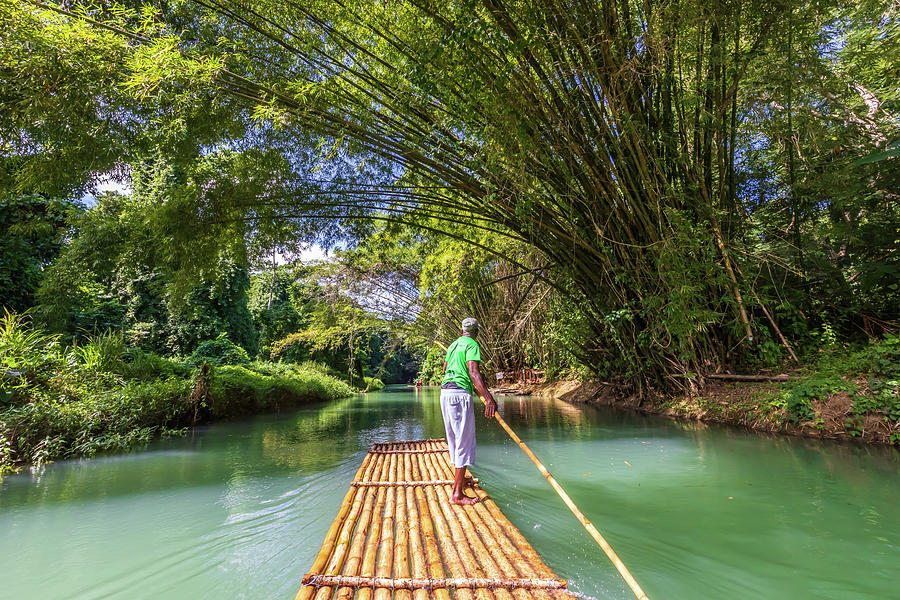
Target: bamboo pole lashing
x=484 y=545
x=408 y=451
x=408 y=583
x=405 y=483
x=385 y=560
x=381 y=445
x=306 y=593
x=433 y=556
x=448 y=550
x=470 y=558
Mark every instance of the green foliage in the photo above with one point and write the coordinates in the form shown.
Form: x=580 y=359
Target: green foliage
x=869 y=375
x=881 y=358
x=372 y=384
x=645 y=213
x=321 y=368
x=101 y=353
x=279 y=304
x=31 y=235
x=99 y=396
x=881 y=393
x=240 y=390
x=220 y=351
x=120 y=272
x=292 y=348
x=138 y=364
x=798 y=398
x=433 y=367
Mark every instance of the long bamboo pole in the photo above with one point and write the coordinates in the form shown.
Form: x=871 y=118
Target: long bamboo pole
x=594 y=533
x=434 y=562
x=450 y=552
x=475 y=541
x=371 y=551
x=385 y=560
x=401 y=550
x=306 y=592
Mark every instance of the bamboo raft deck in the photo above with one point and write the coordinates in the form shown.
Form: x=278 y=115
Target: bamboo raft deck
x=397 y=538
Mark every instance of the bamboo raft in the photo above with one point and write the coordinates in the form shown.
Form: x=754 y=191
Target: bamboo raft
x=397 y=537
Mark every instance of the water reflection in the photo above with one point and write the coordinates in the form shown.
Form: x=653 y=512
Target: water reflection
x=238 y=510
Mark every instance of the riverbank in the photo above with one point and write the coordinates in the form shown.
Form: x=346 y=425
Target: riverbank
x=842 y=395
x=63 y=417
x=756 y=405
x=59 y=401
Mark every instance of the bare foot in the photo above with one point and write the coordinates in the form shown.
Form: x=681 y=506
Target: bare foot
x=463 y=500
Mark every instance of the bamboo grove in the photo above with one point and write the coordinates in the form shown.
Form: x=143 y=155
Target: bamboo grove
x=667 y=166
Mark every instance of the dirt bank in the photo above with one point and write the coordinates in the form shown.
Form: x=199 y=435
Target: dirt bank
x=756 y=405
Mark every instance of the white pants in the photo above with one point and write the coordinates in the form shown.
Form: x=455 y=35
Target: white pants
x=459 y=421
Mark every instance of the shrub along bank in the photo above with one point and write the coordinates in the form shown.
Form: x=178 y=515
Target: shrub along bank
x=842 y=393
x=59 y=401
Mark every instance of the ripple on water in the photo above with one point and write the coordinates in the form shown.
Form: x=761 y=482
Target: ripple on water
x=238 y=510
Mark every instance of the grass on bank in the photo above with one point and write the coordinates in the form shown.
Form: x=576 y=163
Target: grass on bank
x=843 y=392
x=59 y=401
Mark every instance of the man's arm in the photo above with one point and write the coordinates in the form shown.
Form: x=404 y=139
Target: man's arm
x=490 y=405
x=444 y=372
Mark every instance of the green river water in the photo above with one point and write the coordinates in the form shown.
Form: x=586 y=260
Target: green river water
x=238 y=510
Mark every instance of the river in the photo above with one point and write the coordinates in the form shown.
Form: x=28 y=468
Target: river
x=238 y=510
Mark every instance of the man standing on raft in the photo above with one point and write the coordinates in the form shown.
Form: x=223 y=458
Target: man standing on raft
x=461 y=379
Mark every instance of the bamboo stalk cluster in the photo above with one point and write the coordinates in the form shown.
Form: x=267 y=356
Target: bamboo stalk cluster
x=397 y=537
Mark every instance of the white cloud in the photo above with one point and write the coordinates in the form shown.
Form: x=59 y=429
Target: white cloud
x=104 y=186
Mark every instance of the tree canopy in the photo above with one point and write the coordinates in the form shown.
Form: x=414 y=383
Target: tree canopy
x=677 y=186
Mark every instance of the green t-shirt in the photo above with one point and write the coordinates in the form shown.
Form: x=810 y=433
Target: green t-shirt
x=459 y=353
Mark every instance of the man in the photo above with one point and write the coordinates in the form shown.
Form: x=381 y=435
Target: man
x=461 y=379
